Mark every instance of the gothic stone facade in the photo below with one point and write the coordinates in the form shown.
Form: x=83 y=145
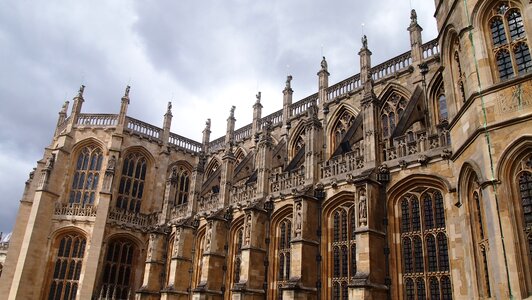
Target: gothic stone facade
x=409 y=180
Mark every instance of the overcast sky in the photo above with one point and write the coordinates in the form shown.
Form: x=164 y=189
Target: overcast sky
x=204 y=56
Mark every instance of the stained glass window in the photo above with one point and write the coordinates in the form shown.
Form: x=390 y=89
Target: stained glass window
x=67 y=267
x=131 y=187
x=86 y=176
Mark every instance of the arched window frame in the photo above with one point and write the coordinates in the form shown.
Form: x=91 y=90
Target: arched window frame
x=283 y=249
x=391 y=113
x=237 y=253
x=343 y=244
x=86 y=176
x=508 y=42
x=119 y=269
x=423 y=231
x=523 y=182
x=180 y=179
x=132 y=182
x=66 y=266
x=343 y=122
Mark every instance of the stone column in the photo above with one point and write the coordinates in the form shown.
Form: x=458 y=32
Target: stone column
x=257 y=114
x=27 y=281
x=76 y=109
x=179 y=274
x=252 y=268
x=154 y=267
x=304 y=250
x=287 y=106
x=167 y=123
x=213 y=260
x=88 y=279
x=369 y=281
x=206 y=136
x=263 y=161
x=313 y=144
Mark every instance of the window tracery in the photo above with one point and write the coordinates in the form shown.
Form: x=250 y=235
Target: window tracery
x=131 y=187
x=524 y=181
x=343 y=250
x=118 y=268
x=181 y=181
x=391 y=112
x=67 y=267
x=285 y=237
x=509 y=41
x=424 y=247
x=239 y=238
x=341 y=127
x=86 y=176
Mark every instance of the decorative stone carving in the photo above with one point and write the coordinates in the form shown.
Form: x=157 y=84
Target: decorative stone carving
x=208 y=236
x=50 y=162
x=423 y=159
x=324 y=64
x=298 y=218
x=247 y=234
x=403 y=164
x=446 y=153
x=151 y=246
x=177 y=237
x=111 y=164
x=362 y=207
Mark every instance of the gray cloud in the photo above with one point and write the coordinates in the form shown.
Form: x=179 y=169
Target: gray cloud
x=204 y=56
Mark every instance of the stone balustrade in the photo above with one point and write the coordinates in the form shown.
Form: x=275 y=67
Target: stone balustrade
x=301 y=106
x=97 y=120
x=287 y=180
x=243 y=133
x=78 y=210
x=392 y=66
x=274 y=119
x=209 y=203
x=343 y=87
x=131 y=219
x=416 y=143
x=184 y=143
x=243 y=193
x=430 y=49
x=135 y=126
x=342 y=164
x=179 y=211
x=217 y=144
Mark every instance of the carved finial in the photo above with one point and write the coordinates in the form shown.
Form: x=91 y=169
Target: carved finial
x=80 y=92
x=324 y=64
x=413 y=17
x=208 y=124
x=169 y=107
x=232 y=112
x=258 y=96
x=64 y=108
x=288 y=80
x=126 y=94
x=364 y=41
x=50 y=162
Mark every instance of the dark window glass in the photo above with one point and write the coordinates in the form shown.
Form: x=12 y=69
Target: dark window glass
x=522 y=58
x=515 y=24
x=133 y=176
x=498 y=34
x=67 y=267
x=504 y=64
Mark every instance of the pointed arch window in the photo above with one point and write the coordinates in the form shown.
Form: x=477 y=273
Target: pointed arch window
x=391 y=113
x=67 y=267
x=480 y=242
x=131 y=187
x=86 y=176
x=524 y=181
x=180 y=179
x=237 y=254
x=425 y=259
x=344 y=249
x=341 y=127
x=285 y=237
x=118 y=270
x=508 y=40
